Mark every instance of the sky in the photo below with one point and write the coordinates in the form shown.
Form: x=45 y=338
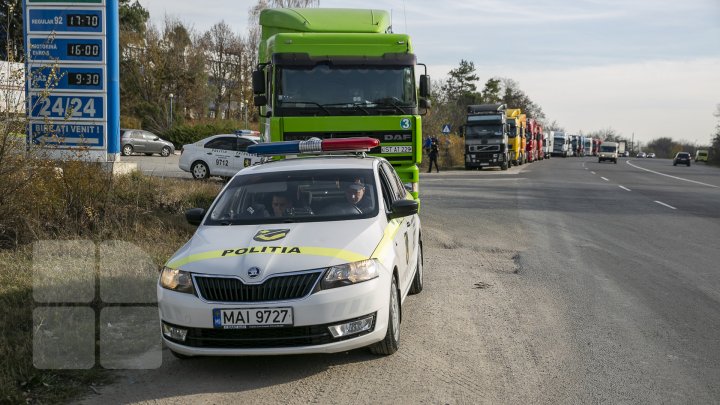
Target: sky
x=645 y=68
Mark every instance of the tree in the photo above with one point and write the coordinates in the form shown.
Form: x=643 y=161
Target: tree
x=460 y=87
x=513 y=97
x=12 y=46
x=553 y=126
x=491 y=91
x=133 y=17
x=662 y=147
x=714 y=153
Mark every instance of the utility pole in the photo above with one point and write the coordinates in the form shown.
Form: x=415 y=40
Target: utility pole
x=632 y=143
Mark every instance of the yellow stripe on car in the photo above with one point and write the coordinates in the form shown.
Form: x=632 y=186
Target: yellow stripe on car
x=345 y=255
x=388 y=237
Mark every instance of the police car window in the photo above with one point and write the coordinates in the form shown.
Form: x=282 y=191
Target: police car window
x=225 y=143
x=397 y=188
x=297 y=196
x=243 y=143
x=387 y=191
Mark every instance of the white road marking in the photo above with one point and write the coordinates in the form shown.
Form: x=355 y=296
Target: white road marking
x=673 y=177
x=625 y=188
x=669 y=206
x=604 y=178
x=592 y=172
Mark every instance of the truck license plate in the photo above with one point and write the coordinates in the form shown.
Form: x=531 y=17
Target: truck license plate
x=252 y=317
x=396 y=149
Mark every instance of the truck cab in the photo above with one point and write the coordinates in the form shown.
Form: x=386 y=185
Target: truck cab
x=608 y=151
x=486 y=137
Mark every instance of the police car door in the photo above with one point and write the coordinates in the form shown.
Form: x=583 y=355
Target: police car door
x=242 y=159
x=220 y=153
x=394 y=190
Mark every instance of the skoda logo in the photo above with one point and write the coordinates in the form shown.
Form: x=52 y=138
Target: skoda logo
x=253 y=272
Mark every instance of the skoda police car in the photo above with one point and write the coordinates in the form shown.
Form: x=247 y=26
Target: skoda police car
x=307 y=255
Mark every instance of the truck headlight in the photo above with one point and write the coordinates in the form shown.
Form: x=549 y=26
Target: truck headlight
x=350 y=273
x=176 y=280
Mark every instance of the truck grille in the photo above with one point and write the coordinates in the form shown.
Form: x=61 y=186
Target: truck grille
x=483 y=148
x=278 y=288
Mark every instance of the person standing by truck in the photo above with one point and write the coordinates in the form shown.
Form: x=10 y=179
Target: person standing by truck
x=433 y=154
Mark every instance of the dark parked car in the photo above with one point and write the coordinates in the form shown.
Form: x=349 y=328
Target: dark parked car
x=139 y=141
x=681 y=158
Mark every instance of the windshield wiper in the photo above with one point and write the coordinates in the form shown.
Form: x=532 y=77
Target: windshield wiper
x=357 y=106
x=320 y=106
x=391 y=101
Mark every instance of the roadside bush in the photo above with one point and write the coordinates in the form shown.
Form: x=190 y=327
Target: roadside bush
x=53 y=200
x=189 y=133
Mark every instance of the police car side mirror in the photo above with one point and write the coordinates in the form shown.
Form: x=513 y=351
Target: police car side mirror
x=403 y=208
x=195 y=216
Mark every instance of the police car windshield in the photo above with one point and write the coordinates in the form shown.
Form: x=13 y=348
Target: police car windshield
x=297 y=196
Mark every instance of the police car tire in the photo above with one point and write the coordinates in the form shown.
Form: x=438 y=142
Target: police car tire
x=417 y=284
x=200 y=163
x=391 y=342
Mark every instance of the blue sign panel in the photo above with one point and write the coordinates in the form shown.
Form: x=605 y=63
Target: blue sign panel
x=75 y=107
x=74 y=78
x=68 y=134
x=65 y=21
x=66 y=49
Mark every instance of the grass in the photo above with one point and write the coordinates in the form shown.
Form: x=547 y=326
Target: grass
x=81 y=202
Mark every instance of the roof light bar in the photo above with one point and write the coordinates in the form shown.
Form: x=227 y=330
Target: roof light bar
x=314 y=146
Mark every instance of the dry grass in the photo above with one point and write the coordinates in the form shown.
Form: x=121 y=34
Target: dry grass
x=81 y=202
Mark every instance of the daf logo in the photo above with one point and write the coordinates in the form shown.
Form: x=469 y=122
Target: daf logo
x=398 y=138
x=253 y=272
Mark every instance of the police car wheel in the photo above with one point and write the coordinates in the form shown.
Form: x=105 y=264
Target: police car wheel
x=391 y=342
x=417 y=283
x=165 y=152
x=127 y=150
x=200 y=170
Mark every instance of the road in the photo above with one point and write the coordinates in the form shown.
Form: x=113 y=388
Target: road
x=159 y=166
x=562 y=281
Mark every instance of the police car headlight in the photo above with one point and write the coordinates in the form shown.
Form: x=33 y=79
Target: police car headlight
x=351 y=273
x=176 y=280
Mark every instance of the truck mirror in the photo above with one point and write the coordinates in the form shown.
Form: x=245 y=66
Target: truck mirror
x=260 y=101
x=258 y=82
x=424 y=103
x=424 y=85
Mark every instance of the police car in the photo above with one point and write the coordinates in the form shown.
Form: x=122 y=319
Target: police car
x=306 y=255
x=218 y=155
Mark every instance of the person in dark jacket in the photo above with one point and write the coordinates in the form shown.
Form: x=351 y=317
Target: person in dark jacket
x=434 y=155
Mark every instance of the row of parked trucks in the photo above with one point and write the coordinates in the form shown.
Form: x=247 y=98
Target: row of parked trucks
x=496 y=136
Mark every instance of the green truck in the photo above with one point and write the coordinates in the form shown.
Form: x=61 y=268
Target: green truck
x=338 y=73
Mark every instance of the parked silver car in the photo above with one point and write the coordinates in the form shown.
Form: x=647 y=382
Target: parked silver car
x=139 y=141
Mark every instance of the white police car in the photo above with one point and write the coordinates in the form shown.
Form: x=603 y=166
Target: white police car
x=218 y=155
x=307 y=255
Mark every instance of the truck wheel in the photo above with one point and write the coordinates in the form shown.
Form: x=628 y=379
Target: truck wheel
x=599 y=160
x=391 y=342
x=504 y=166
x=615 y=161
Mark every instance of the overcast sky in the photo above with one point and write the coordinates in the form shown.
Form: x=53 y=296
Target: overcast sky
x=648 y=67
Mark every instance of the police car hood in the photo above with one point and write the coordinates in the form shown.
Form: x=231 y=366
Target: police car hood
x=277 y=248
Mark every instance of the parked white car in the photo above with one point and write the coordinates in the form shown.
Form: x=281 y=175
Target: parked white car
x=218 y=155
x=295 y=256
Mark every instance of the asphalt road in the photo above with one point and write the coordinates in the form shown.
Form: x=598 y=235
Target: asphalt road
x=157 y=165
x=562 y=281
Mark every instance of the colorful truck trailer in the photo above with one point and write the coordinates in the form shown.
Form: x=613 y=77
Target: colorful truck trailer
x=533 y=134
x=338 y=73
x=515 y=144
x=486 y=137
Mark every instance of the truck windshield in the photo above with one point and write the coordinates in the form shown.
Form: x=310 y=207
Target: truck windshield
x=333 y=90
x=490 y=132
x=607 y=148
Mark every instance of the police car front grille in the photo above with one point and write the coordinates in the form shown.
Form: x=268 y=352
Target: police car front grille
x=258 y=338
x=279 y=288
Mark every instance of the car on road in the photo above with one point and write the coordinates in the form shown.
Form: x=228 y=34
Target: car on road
x=218 y=155
x=701 y=156
x=641 y=154
x=650 y=155
x=140 y=141
x=289 y=260
x=682 y=158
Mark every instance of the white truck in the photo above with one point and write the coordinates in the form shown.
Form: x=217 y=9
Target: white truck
x=608 y=151
x=561 y=144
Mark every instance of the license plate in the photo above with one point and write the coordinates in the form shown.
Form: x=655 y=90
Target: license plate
x=252 y=317
x=484 y=164
x=396 y=149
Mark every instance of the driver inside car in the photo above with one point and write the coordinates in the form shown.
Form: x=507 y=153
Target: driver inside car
x=355 y=195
